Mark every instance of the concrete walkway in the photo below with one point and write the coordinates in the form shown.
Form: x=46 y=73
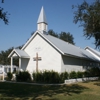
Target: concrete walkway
x=30 y=83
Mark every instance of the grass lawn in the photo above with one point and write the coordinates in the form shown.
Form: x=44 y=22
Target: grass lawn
x=79 y=91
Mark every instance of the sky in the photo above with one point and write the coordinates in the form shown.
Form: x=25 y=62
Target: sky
x=23 y=21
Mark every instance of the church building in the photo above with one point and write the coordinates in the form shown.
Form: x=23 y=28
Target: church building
x=45 y=52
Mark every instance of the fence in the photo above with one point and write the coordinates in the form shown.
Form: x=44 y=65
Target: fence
x=4 y=69
x=2 y=73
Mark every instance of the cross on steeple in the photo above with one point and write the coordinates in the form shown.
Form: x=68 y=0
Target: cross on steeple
x=36 y=59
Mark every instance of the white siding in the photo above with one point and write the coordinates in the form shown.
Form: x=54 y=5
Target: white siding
x=24 y=63
x=42 y=27
x=71 y=64
x=51 y=59
x=75 y=64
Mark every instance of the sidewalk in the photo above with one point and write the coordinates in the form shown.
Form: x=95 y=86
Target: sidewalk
x=30 y=83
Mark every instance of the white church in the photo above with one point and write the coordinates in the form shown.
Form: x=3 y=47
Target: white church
x=45 y=52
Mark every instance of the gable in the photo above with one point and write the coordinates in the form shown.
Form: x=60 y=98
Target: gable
x=19 y=53
x=38 y=44
x=43 y=37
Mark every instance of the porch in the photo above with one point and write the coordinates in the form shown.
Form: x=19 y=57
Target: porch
x=20 y=54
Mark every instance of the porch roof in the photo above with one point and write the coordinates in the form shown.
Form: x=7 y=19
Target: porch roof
x=19 y=53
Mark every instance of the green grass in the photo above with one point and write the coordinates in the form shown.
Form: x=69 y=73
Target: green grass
x=79 y=91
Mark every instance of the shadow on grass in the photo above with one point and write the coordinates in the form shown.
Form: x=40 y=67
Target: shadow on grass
x=97 y=83
x=36 y=92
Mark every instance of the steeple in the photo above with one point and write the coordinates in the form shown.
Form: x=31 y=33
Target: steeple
x=42 y=22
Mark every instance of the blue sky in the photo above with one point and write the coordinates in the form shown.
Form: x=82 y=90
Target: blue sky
x=23 y=21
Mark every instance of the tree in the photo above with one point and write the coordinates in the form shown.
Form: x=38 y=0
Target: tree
x=2 y=1
x=89 y=17
x=67 y=37
x=4 y=60
x=3 y=15
x=63 y=36
x=4 y=57
x=51 y=32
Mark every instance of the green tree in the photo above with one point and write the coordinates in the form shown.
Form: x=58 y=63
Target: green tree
x=2 y=1
x=3 y=14
x=89 y=17
x=4 y=60
x=51 y=32
x=63 y=36
x=67 y=37
x=4 y=56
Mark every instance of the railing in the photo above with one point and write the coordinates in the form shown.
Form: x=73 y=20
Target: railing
x=2 y=73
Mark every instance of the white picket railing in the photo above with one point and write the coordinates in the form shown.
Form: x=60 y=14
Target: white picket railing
x=4 y=69
x=2 y=73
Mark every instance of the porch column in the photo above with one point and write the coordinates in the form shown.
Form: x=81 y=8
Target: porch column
x=19 y=63
x=11 y=64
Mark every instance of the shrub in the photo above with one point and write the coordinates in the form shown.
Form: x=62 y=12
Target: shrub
x=54 y=77
x=38 y=77
x=86 y=74
x=9 y=76
x=51 y=77
x=63 y=76
x=93 y=72
x=73 y=75
x=79 y=74
x=23 y=76
x=46 y=77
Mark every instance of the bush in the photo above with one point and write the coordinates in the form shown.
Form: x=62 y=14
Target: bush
x=9 y=76
x=79 y=74
x=37 y=77
x=63 y=76
x=73 y=75
x=86 y=74
x=46 y=77
x=93 y=72
x=54 y=77
x=23 y=76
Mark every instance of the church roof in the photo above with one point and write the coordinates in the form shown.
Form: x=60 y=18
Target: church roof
x=93 y=51
x=42 y=17
x=63 y=47
x=69 y=49
x=19 y=53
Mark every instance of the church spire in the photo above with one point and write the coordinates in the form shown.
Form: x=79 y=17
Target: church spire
x=42 y=22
